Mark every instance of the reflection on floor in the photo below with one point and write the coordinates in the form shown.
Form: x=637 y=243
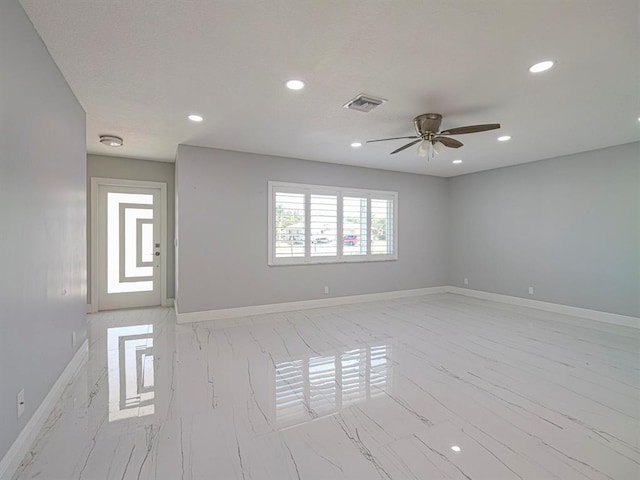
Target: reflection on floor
x=433 y=387
x=130 y=367
x=318 y=386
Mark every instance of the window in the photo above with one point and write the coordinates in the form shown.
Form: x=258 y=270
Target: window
x=318 y=224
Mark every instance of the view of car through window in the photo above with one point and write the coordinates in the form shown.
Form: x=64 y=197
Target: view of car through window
x=350 y=240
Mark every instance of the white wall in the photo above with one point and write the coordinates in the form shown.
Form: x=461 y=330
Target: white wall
x=222 y=232
x=42 y=213
x=133 y=169
x=568 y=226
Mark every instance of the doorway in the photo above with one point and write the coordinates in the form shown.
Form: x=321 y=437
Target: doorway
x=128 y=244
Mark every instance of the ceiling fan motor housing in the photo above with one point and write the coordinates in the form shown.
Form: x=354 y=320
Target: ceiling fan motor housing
x=427 y=123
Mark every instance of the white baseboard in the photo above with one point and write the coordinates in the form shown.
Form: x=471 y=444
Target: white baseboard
x=11 y=461
x=228 y=313
x=612 y=318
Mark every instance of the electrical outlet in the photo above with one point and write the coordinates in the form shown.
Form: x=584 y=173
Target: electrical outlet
x=20 y=403
x=73 y=338
x=530 y=290
x=466 y=281
x=326 y=290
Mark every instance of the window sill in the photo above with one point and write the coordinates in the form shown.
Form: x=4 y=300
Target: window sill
x=332 y=262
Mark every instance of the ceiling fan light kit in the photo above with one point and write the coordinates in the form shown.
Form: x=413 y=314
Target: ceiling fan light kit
x=423 y=149
x=428 y=131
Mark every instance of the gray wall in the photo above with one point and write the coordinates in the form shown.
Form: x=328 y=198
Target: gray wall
x=568 y=226
x=42 y=213
x=222 y=232
x=131 y=169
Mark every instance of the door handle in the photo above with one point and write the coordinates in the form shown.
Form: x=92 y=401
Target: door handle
x=157 y=254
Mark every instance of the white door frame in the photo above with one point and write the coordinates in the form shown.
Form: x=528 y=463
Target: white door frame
x=118 y=182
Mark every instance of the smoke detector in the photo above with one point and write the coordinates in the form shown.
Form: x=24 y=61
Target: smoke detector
x=111 y=140
x=364 y=103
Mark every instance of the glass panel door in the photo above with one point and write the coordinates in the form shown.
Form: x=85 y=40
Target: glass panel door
x=128 y=247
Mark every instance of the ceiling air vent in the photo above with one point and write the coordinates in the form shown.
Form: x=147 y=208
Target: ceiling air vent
x=364 y=103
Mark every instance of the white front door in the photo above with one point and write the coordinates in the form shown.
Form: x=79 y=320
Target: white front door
x=128 y=246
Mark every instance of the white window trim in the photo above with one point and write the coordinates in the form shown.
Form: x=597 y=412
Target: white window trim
x=340 y=192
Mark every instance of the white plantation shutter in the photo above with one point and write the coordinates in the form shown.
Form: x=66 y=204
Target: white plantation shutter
x=354 y=225
x=289 y=224
x=381 y=226
x=322 y=224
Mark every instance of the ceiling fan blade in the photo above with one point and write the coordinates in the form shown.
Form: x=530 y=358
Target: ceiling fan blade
x=449 y=142
x=470 y=129
x=406 y=146
x=394 y=138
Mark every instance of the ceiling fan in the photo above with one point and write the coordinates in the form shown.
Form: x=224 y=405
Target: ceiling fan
x=427 y=126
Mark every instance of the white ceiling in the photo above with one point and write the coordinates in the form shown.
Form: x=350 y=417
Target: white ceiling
x=139 y=67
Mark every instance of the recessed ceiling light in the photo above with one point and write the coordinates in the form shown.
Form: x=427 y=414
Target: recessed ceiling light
x=457 y=161
x=295 y=84
x=356 y=144
x=541 y=66
x=111 y=140
x=195 y=118
x=456 y=448
x=504 y=138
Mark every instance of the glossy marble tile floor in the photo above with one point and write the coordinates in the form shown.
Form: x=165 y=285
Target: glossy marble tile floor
x=433 y=387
